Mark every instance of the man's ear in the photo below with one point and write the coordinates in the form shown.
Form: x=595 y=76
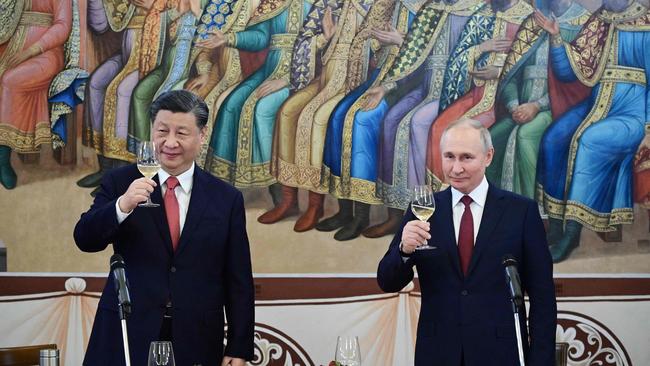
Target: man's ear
x=203 y=133
x=489 y=156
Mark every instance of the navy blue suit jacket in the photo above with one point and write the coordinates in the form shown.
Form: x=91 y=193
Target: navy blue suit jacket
x=210 y=272
x=471 y=316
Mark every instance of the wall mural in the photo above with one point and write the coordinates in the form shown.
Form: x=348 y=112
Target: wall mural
x=345 y=102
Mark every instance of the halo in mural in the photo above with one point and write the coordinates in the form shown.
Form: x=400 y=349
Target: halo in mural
x=590 y=342
x=275 y=348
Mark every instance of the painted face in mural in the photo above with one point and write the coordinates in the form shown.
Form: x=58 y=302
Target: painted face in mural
x=178 y=139
x=616 y=5
x=464 y=157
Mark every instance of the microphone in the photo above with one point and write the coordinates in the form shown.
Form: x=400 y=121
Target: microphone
x=121 y=285
x=513 y=281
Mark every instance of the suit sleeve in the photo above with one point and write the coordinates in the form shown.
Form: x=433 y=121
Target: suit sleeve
x=240 y=294
x=394 y=272
x=537 y=278
x=98 y=226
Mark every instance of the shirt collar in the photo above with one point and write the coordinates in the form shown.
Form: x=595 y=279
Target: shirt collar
x=184 y=179
x=478 y=195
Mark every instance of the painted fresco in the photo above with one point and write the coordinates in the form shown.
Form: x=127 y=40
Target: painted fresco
x=327 y=113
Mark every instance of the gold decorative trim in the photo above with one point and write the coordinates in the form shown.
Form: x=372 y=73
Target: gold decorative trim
x=623 y=74
x=357 y=189
x=37 y=19
x=282 y=41
x=300 y=176
x=22 y=141
x=587 y=217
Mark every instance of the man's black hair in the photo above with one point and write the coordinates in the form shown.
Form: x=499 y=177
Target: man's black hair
x=181 y=101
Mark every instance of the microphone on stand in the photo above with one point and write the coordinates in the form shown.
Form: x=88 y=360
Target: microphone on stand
x=513 y=281
x=517 y=297
x=121 y=285
x=123 y=299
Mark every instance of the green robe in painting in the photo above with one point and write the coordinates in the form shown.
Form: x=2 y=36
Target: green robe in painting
x=516 y=146
x=240 y=145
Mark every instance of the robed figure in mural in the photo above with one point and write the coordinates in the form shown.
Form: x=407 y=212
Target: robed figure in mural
x=108 y=95
x=32 y=35
x=174 y=66
x=473 y=71
x=406 y=93
x=348 y=178
x=318 y=74
x=524 y=102
x=240 y=145
x=584 y=173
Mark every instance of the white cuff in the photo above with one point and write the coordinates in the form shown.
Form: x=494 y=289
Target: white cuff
x=121 y=216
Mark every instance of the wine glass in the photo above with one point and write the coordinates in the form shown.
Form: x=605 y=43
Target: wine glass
x=148 y=165
x=423 y=206
x=161 y=354
x=347 y=351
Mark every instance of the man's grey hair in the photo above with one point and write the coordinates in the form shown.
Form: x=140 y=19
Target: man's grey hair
x=486 y=139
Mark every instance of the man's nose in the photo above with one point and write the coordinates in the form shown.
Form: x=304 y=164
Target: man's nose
x=171 y=141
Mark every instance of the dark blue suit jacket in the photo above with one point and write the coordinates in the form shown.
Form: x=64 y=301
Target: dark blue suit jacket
x=210 y=271
x=472 y=316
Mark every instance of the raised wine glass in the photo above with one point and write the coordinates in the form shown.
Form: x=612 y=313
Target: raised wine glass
x=423 y=206
x=148 y=165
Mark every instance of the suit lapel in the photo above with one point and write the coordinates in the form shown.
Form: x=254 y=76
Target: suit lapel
x=158 y=215
x=198 y=203
x=494 y=208
x=446 y=222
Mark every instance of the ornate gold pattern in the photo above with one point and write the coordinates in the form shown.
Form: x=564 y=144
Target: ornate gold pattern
x=528 y=33
x=24 y=142
x=35 y=18
x=589 y=218
x=304 y=176
x=624 y=74
x=118 y=13
x=9 y=18
x=357 y=189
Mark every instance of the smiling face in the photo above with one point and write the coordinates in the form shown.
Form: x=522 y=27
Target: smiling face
x=464 y=157
x=178 y=139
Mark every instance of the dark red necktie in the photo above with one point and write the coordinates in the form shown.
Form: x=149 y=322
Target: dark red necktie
x=171 y=209
x=466 y=235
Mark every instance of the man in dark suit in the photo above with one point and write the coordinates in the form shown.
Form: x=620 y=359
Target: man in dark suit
x=186 y=261
x=466 y=315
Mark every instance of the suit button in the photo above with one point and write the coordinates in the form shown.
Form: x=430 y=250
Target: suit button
x=173 y=269
x=464 y=292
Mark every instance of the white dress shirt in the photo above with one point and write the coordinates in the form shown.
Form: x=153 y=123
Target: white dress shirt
x=478 y=195
x=183 y=193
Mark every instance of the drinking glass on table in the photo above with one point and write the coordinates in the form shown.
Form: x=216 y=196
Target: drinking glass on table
x=423 y=206
x=347 y=351
x=161 y=354
x=148 y=165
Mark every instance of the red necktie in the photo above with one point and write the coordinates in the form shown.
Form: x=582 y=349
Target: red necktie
x=171 y=209
x=466 y=235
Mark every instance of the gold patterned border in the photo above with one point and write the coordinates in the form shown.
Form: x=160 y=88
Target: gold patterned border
x=359 y=190
x=589 y=218
x=300 y=176
x=22 y=141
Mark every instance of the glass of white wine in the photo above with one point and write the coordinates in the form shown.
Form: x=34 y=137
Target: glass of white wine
x=161 y=354
x=423 y=206
x=148 y=165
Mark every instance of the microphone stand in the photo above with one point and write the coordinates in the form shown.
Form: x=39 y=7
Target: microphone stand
x=515 y=309
x=125 y=337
